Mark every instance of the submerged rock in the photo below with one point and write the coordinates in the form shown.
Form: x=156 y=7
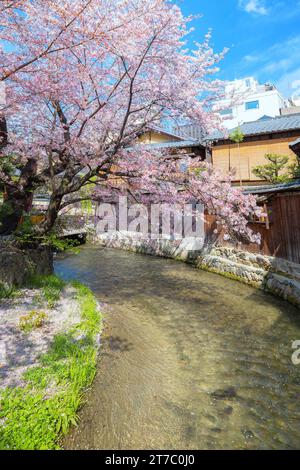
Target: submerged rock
x=248 y=434
x=228 y=410
x=225 y=394
x=216 y=430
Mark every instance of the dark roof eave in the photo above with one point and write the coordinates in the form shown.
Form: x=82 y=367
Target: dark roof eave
x=227 y=139
x=295 y=147
x=181 y=145
x=272 y=189
x=277 y=125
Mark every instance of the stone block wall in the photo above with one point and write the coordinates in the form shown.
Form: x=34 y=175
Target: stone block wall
x=270 y=274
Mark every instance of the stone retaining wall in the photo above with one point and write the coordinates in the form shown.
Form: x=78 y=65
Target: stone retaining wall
x=274 y=275
x=17 y=265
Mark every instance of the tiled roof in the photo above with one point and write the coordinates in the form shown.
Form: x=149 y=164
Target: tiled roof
x=170 y=145
x=191 y=131
x=296 y=142
x=274 y=188
x=265 y=126
x=163 y=130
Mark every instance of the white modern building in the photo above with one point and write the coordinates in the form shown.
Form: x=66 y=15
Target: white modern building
x=246 y=100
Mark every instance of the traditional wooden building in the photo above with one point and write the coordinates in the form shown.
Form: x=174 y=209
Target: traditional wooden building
x=158 y=135
x=279 y=228
x=278 y=135
x=295 y=146
x=176 y=142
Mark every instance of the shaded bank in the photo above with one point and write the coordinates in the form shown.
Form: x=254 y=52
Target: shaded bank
x=17 y=265
x=189 y=359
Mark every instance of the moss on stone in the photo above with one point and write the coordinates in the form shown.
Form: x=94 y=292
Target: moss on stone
x=228 y=275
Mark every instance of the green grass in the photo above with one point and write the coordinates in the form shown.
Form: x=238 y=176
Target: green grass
x=37 y=416
x=7 y=292
x=50 y=286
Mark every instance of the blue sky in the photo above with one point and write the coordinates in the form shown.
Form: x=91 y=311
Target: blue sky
x=263 y=37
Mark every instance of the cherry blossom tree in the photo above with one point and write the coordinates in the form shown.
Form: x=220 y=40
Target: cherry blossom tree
x=83 y=79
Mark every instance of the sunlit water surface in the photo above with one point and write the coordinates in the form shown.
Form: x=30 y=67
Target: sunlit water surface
x=188 y=359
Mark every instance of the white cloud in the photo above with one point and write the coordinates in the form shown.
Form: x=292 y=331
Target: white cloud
x=275 y=58
x=274 y=64
x=253 y=6
x=289 y=83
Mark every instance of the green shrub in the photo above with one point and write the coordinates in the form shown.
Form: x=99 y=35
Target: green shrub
x=60 y=244
x=275 y=171
x=5 y=210
x=26 y=235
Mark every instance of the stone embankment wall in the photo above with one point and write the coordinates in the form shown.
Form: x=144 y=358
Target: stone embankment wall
x=274 y=275
x=16 y=265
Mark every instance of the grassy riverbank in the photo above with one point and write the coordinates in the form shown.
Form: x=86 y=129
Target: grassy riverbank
x=37 y=414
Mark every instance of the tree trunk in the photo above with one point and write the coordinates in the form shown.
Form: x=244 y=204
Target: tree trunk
x=18 y=198
x=3 y=132
x=51 y=215
x=17 y=202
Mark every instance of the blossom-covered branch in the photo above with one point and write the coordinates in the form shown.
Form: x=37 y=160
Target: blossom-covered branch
x=83 y=80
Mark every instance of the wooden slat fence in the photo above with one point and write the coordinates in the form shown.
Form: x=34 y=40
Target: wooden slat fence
x=281 y=237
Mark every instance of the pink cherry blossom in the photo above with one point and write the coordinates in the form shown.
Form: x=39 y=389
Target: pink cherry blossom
x=83 y=79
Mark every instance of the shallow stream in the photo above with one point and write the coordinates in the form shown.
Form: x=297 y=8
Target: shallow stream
x=188 y=359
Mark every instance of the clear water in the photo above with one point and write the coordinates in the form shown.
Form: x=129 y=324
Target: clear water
x=188 y=360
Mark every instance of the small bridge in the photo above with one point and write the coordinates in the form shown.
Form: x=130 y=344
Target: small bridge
x=75 y=234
